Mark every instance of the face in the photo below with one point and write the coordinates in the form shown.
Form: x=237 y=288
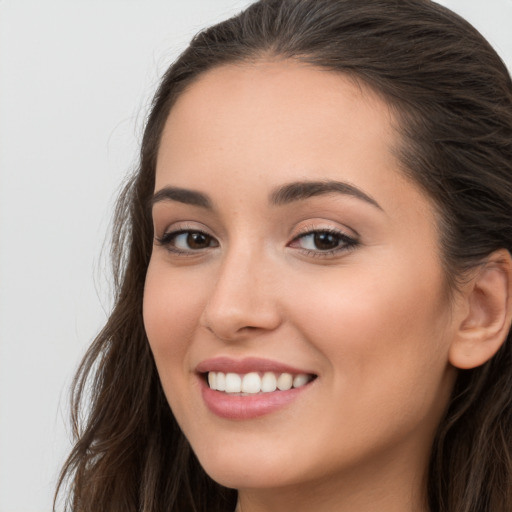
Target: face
x=290 y=251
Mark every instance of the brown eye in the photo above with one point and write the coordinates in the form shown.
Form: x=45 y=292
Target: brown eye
x=187 y=241
x=325 y=241
x=198 y=240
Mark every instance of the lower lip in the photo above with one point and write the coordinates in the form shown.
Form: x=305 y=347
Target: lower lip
x=238 y=407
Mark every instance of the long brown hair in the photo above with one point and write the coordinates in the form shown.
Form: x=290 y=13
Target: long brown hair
x=453 y=97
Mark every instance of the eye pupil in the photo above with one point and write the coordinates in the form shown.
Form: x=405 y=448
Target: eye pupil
x=198 y=240
x=326 y=241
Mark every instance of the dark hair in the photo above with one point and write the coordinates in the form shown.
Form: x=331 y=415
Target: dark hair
x=453 y=98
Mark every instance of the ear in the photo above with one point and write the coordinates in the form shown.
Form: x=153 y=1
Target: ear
x=487 y=306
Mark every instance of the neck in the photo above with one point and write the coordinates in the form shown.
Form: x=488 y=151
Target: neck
x=292 y=502
x=384 y=490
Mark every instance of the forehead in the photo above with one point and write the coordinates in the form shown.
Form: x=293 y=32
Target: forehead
x=245 y=129
x=298 y=90
x=275 y=111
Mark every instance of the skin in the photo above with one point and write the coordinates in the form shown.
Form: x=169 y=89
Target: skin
x=373 y=322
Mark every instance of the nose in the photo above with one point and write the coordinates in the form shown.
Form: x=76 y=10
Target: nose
x=243 y=301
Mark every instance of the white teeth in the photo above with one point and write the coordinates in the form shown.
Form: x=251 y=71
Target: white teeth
x=212 y=380
x=233 y=383
x=220 y=384
x=268 y=382
x=284 y=382
x=253 y=382
x=300 y=380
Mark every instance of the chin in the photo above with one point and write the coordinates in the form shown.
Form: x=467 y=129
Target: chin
x=237 y=471
x=240 y=477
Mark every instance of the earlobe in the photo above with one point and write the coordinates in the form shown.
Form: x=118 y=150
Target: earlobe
x=488 y=313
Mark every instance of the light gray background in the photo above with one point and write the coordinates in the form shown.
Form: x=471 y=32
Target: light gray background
x=75 y=81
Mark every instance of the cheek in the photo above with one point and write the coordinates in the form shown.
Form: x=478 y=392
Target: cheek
x=171 y=309
x=390 y=336
x=387 y=355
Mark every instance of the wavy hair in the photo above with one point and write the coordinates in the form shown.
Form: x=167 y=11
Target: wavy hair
x=453 y=99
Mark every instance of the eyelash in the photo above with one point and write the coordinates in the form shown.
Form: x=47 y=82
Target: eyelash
x=167 y=239
x=345 y=242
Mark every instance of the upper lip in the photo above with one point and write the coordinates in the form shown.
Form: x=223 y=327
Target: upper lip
x=246 y=365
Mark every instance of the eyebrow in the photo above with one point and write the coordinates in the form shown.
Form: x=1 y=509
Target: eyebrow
x=301 y=190
x=282 y=195
x=181 y=195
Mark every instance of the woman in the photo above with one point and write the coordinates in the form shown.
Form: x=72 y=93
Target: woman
x=314 y=273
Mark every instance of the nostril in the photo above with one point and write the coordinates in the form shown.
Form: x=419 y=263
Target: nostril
x=237 y=310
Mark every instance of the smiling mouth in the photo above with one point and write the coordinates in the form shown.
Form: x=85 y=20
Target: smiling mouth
x=254 y=383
